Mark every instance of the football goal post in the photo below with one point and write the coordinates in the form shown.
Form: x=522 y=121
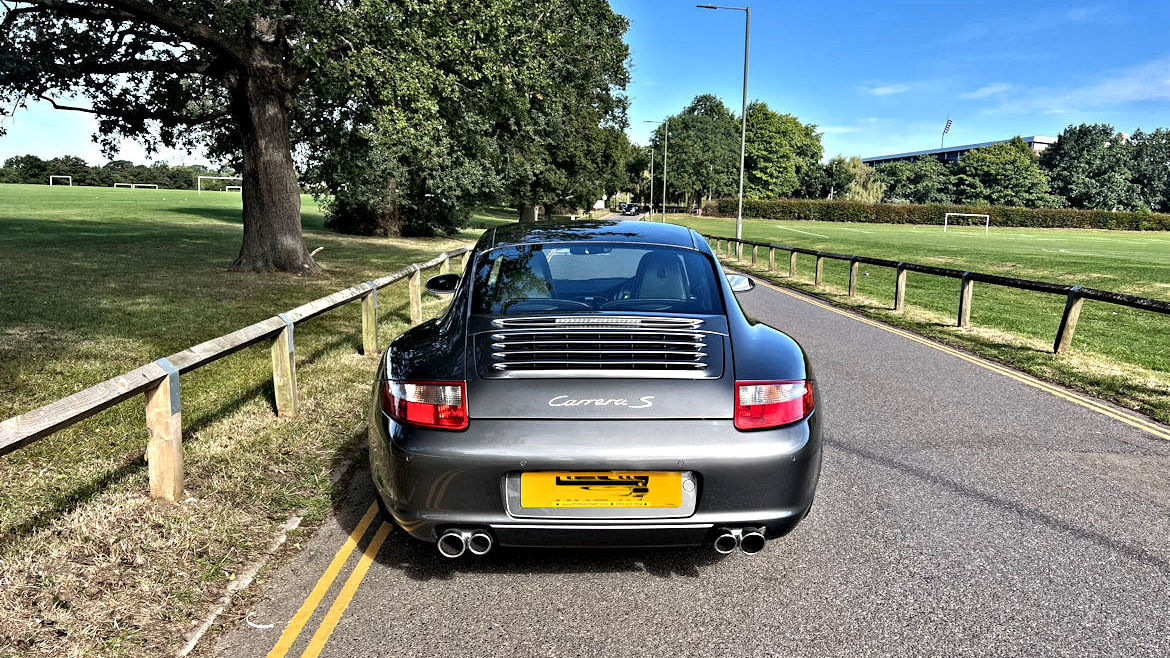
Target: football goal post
x=233 y=188
x=123 y=184
x=948 y=216
x=199 y=182
x=149 y=186
x=68 y=180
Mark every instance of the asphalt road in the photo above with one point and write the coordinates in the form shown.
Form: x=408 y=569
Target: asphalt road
x=962 y=511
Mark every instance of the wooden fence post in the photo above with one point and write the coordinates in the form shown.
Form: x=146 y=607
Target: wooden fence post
x=771 y=259
x=817 y=278
x=164 y=424
x=416 y=296
x=1068 y=321
x=853 y=277
x=965 y=286
x=738 y=251
x=445 y=265
x=370 y=320
x=900 y=289
x=284 y=370
x=791 y=264
x=753 y=255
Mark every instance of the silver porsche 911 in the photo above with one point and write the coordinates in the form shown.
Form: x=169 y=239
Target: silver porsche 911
x=594 y=383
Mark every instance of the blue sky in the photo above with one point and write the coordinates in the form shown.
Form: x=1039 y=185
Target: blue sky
x=881 y=76
x=878 y=76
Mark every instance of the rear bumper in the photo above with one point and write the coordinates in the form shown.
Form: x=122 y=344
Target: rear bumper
x=431 y=480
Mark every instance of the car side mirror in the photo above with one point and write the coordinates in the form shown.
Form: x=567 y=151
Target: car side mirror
x=738 y=283
x=443 y=284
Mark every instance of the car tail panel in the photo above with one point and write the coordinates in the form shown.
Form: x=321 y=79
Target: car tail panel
x=600 y=367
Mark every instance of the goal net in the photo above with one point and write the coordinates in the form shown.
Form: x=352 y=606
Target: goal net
x=68 y=180
x=199 y=185
x=968 y=219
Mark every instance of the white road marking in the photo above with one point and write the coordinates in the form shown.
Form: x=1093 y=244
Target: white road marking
x=805 y=232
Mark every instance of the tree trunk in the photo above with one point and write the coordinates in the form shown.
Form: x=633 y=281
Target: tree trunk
x=527 y=214
x=272 y=199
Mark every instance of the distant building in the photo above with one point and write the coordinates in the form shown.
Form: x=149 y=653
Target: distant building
x=953 y=153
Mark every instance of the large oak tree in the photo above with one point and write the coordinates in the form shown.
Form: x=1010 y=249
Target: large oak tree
x=178 y=72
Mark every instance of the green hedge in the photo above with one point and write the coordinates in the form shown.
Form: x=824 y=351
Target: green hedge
x=905 y=213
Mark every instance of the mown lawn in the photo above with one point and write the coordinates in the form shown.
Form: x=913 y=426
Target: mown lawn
x=1118 y=353
x=98 y=281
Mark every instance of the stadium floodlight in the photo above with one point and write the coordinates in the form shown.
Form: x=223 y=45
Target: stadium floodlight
x=149 y=186
x=68 y=180
x=199 y=182
x=986 y=220
x=123 y=184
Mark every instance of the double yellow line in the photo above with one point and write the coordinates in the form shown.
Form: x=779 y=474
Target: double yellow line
x=1133 y=420
x=297 y=623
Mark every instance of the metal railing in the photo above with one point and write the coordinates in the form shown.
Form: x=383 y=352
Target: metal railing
x=159 y=380
x=1075 y=296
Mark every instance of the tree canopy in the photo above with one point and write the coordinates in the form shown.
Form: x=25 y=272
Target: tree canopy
x=925 y=180
x=1089 y=167
x=1150 y=167
x=781 y=153
x=410 y=109
x=1004 y=174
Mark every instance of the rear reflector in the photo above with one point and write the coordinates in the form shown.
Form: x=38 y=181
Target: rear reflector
x=771 y=404
x=427 y=404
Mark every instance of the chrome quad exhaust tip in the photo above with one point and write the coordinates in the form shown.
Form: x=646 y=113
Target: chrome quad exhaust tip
x=479 y=543
x=752 y=541
x=726 y=540
x=749 y=540
x=452 y=543
x=455 y=542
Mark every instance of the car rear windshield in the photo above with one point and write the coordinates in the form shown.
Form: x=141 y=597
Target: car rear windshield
x=594 y=276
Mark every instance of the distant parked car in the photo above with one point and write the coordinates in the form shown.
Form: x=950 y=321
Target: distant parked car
x=630 y=210
x=622 y=206
x=594 y=383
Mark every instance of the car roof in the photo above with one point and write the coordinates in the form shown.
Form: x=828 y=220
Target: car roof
x=592 y=230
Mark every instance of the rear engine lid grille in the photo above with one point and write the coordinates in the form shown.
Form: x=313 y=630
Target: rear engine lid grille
x=603 y=321
x=652 y=347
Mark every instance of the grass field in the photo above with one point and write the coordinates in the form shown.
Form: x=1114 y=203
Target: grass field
x=1118 y=353
x=97 y=281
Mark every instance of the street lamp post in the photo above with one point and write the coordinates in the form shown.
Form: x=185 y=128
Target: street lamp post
x=665 y=146
x=652 y=183
x=747 y=28
x=665 y=153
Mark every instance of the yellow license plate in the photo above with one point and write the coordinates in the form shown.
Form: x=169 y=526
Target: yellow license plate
x=601 y=489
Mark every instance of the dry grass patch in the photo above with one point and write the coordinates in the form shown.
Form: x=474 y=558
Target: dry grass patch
x=121 y=574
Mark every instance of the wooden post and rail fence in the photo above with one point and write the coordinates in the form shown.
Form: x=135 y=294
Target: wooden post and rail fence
x=1075 y=295
x=159 y=381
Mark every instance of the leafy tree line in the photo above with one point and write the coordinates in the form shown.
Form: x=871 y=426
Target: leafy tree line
x=782 y=158
x=407 y=112
x=31 y=170
x=1091 y=166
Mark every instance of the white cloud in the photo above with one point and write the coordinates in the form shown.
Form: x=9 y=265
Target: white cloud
x=987 y=90
x=1140 y=83
x=887 y=90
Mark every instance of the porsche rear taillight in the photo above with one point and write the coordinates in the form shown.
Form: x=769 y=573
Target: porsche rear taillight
x=771 y=404
x=427 y=404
